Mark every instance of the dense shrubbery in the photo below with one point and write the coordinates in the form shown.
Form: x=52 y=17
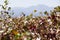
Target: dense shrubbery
x=28 y=27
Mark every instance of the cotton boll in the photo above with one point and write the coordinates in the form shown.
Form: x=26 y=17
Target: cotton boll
x=58 y=30
x=25 y=22
x=32 y=33
x=25 y=38
x=50 y=39
x=3 y=27
x=10 y=19
x=5 y=33
x=1 y=31
x=50 y=23
x=41 y=22
x=38 y=38
x=58 y=13
x=33 y=20
x=9 y=29
x=49 y=20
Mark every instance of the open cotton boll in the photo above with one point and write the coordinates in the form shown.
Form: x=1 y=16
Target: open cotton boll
x=9 y=29
x=10 y=19
x=58 y=13
x=32 y=33
x=50 y=39
x=58 y=30
x=25 y=38
x=3 y=27
x=25 y=21
x=1 y=31
x=38 y=38
x=49 y=20
x=50 y=23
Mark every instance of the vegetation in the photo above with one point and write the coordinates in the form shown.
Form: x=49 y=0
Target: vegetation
x=29 y=27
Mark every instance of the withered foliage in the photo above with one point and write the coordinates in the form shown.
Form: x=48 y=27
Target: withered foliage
x=29 y=27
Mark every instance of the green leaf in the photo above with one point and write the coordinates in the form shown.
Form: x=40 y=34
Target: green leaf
x=46 y=13
x=35 y=10
x=9 y=8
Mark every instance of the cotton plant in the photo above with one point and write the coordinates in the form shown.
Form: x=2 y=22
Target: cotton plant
x=4 y=15
x=27 y=27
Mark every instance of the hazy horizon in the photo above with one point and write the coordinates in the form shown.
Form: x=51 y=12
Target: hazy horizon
x=29 y=3
x=27 y=6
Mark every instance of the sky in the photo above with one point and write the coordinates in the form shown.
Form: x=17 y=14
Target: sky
x=28 y=3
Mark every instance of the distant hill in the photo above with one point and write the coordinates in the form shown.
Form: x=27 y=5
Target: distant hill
x=29 y=10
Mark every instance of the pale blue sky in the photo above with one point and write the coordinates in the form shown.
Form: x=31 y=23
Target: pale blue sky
x=28 y=3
